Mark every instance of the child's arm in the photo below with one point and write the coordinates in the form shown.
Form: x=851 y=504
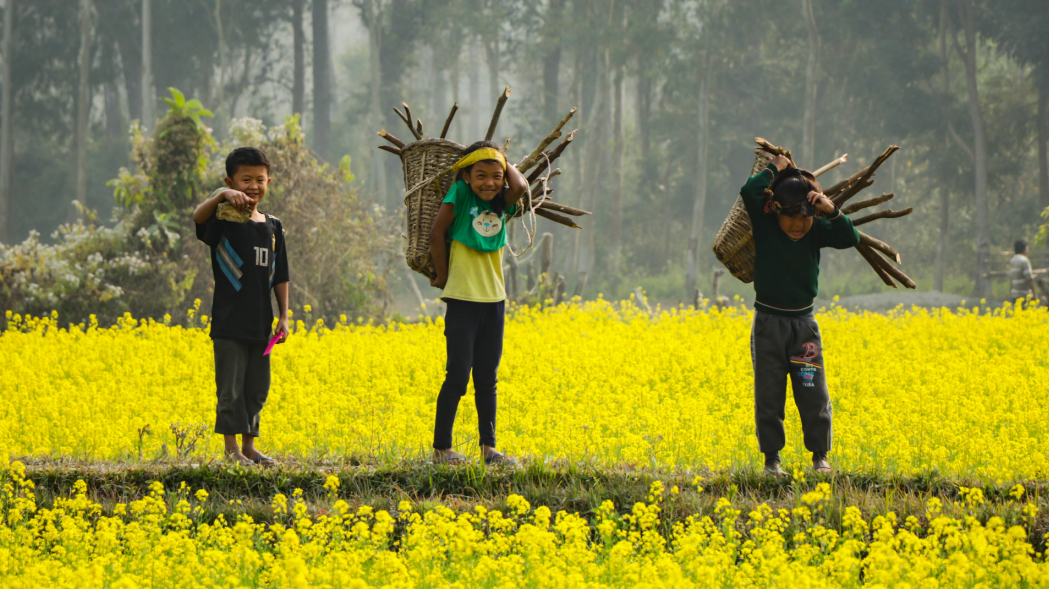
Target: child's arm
x=517 y=185
x=838 y=232
x=753 y=192
x=281 y=291
x=207 y=208
x=438 y=249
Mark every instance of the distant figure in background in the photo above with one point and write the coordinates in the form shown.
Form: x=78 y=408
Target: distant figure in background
x=782 y=202
x=248 y=259
x=1021 y=277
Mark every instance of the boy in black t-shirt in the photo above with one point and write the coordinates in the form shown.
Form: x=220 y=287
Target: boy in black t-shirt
x=248 y=259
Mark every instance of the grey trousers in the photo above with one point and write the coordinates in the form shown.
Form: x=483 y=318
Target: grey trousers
x=242 y=382
x=781 y=346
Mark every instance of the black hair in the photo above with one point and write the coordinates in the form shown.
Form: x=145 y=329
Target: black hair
x=498 y=203
x=245 y=156
x=791 y=187
x=1020 y=246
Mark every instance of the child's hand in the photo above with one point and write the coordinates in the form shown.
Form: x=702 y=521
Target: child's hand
x=821 y=202
x=283 y=330
x=781 y=162
x=238 y=199
x=439 y=281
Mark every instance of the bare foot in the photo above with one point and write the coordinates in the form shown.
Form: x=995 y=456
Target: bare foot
x=238 y=457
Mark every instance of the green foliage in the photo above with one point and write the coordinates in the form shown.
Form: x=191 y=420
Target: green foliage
x=192 y=109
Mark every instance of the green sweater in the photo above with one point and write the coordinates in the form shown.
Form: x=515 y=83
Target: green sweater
x=786 y=272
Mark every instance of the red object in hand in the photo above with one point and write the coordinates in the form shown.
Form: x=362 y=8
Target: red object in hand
x=273 y=342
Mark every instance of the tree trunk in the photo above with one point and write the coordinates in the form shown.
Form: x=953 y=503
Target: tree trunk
x=808 y=124
x=83 y=101
x=321 y=81
x=131 y=68
x=372 y=16
x=982 y=285
x=298 y=85
x=552 y=60
x=594 y=152
x=476 y=132
x=148 y=96
x=492 y=56
x=941 y=244
x=615 y=229
x=115 y=127
x=456 y=81
x=6 y=127
x=1043 y=159
x=700 y=204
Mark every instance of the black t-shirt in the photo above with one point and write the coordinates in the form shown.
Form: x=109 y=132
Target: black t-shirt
x=248 y=259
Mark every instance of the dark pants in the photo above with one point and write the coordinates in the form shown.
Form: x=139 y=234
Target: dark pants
x=242 y=381
x=782 y=346
x=474 y=334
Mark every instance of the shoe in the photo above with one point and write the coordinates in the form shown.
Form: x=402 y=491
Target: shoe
x=821 y=466
x=774 y=470
x=498 y=458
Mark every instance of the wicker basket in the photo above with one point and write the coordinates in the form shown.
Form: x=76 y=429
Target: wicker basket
x=734 y=244
x=422 y=160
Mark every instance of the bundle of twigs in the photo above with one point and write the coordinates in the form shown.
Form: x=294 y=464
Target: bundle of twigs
x=427 y=180
x=730 y=246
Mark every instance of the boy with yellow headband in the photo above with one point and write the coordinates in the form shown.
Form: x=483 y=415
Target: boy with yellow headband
x=473 y=215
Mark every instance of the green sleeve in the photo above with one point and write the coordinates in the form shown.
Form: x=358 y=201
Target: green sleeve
x=454 y=195
x=840 y=233
x=753 y=192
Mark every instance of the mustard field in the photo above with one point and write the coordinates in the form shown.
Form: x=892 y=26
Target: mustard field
x=956 y=394
x=960 y=392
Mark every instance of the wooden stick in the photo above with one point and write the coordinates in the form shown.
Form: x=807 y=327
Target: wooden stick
x=864 y=180
x=537 y=191
x=407 y=122
x=770 y=148
x=881 y=246
x=547 y=204
x=498 y=111
x=870 y=202
x=533 y=158
x=889 y=214
x=391 y=149
x=389 y=137
x=551 y=156
x=419 y=127
x=897 y=274
x=448 y=121
x=834 y=164
x=557 y=218
x=872 y=259
x=554 y=174
x=506 y=146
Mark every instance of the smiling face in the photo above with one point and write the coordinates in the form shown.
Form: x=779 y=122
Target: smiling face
x=795 y=226
x=251 y=180
x=485 y=178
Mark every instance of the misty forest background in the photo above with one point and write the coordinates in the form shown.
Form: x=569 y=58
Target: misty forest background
x=670 y=94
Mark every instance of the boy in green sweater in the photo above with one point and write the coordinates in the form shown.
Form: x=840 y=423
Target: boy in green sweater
x=781 y=202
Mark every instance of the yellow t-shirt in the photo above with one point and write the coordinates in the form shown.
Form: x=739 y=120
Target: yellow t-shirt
x=474 y=276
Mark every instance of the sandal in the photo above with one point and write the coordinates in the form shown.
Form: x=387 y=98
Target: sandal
x=263 y=460
x=499 y=458
x=453 y=458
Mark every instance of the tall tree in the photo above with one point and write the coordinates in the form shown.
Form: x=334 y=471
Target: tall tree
x=298 y=84
x=322 y=68
x=808 y=123
x=6 y=124
x=148 y=93
x=967 y=24
x=83 y=101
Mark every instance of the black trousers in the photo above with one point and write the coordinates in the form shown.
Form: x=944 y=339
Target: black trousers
x=242 y=382
x=474 y=334
x=782 y=347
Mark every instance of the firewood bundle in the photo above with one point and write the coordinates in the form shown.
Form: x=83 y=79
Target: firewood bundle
x=734 y=244
x=428 y=177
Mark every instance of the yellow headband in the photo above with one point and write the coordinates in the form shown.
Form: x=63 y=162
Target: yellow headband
x=485 y=153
